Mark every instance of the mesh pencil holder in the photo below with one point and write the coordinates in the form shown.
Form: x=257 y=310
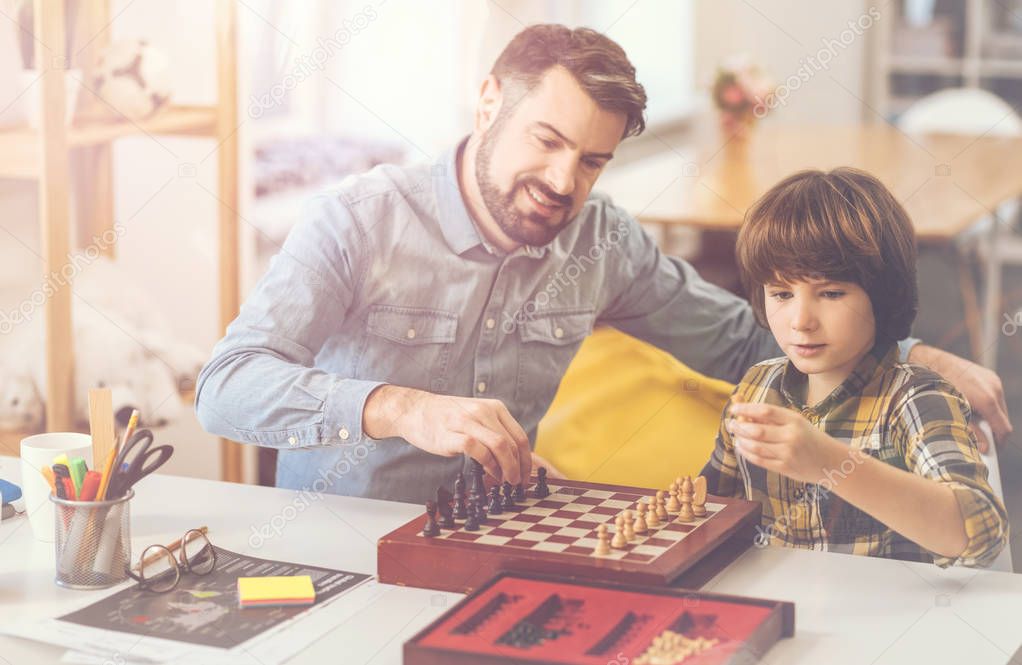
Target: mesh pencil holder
x=93 y=541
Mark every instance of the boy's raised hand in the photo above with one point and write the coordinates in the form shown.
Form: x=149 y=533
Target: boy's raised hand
x=782 y=440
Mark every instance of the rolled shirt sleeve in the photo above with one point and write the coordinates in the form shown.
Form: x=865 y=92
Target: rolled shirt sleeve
x=933 y=421
x=260 y=385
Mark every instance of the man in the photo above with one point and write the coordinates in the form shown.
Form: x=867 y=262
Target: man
x=419 y=315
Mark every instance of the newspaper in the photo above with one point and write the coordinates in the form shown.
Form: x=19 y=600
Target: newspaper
x=200 y=621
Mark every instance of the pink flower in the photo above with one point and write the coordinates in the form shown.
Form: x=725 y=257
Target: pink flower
x=732 y=96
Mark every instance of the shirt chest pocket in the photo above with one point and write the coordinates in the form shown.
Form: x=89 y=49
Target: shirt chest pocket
x=408 y=346
x=549 y=341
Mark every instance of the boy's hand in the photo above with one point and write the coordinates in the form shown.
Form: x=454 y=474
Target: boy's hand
x=783 y=441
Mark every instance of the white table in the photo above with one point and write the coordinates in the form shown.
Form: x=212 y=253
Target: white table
x=848 y=609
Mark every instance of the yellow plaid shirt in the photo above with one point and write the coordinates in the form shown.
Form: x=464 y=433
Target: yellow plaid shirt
x=902 y=414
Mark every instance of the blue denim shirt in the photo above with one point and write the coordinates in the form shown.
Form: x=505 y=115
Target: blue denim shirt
x=387 y=280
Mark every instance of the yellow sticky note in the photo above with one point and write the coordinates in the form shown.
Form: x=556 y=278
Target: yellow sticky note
x=283 y=590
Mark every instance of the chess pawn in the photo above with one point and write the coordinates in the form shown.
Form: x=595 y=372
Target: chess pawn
x=640 y=525
x=496 y=504
x=627 y=524
x=652 y=520
x=619 y=540
x=472 y=523
x=672 y=504
x=460 y=510
x=661 y=509
x=685 y=513
x=431 y=528
x=603 y=541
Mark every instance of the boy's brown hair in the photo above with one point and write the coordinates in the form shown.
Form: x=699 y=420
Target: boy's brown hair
x=842 y=225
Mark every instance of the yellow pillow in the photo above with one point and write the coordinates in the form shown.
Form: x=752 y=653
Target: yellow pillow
x=630 y=414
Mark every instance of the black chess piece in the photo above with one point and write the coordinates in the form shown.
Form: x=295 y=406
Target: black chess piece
x=541 y=490
x=443 y=502
x=472 y=523
x=496 y=505
x=509 y=497
x=475 y=477
x=520 y=492
x=460 y=511
x=431 y=529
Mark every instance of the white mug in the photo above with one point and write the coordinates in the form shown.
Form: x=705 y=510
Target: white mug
x=38 y=452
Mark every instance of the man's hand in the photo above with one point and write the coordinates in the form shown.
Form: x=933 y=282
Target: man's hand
x=980 y=386
x=446 y=425
x=783 y=441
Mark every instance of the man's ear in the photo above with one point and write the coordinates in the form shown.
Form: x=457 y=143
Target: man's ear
x=490 y=98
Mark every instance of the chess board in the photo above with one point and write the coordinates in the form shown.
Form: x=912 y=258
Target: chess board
x=557 y=535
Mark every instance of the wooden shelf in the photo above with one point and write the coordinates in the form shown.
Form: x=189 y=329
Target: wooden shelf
x=10 y=439
x=19 y=147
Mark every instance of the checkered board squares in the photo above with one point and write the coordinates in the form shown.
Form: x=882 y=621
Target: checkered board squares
x=565 y=522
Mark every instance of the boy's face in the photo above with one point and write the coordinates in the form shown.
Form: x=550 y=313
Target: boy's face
x=824 y=327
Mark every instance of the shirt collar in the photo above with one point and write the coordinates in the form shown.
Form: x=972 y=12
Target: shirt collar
x=793 y=382
x=456 y=223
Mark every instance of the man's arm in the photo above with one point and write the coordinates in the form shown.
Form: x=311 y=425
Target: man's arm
x=980 y=386
x=261 y=386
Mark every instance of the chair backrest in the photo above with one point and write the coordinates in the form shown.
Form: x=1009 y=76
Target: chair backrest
x=961 y=111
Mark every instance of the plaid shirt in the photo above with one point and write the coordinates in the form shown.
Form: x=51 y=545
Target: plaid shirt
x=904 y=415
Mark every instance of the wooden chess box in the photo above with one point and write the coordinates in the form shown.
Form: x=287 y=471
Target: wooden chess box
x=524 y=618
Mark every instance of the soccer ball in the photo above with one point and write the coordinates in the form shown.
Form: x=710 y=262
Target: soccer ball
x=132 y=77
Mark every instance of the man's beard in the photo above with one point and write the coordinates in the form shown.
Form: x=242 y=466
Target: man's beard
x=513 y=222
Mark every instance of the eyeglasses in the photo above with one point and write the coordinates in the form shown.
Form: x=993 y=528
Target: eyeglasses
x=159 y=570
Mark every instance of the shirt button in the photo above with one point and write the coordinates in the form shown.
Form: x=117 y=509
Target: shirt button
x=558 y=332
x=344 y=434
x=410 y=334
x=293 y=441
x=490 y=323
x=481 y=387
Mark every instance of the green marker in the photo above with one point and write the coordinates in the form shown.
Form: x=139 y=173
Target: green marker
x=77 y=468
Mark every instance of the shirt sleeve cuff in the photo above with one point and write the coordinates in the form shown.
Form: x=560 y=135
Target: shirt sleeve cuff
x=905 y=347
x=985 y=528
x=342 y=412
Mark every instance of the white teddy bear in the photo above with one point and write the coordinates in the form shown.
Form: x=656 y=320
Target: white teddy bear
x=121 y=342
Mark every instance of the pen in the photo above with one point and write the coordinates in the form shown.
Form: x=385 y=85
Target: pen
x=69 y=489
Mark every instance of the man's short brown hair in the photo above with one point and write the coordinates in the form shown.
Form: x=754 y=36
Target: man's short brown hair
x=843 y=225
x=597 y=62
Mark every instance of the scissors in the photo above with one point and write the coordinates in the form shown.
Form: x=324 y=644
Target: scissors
x=145 y=460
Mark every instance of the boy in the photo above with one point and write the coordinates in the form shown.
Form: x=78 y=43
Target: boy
x=848 y=449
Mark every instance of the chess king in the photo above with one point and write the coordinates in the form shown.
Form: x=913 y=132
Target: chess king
x=419 y=316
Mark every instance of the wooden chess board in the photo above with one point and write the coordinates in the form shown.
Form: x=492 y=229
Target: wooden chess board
x=557 y=535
